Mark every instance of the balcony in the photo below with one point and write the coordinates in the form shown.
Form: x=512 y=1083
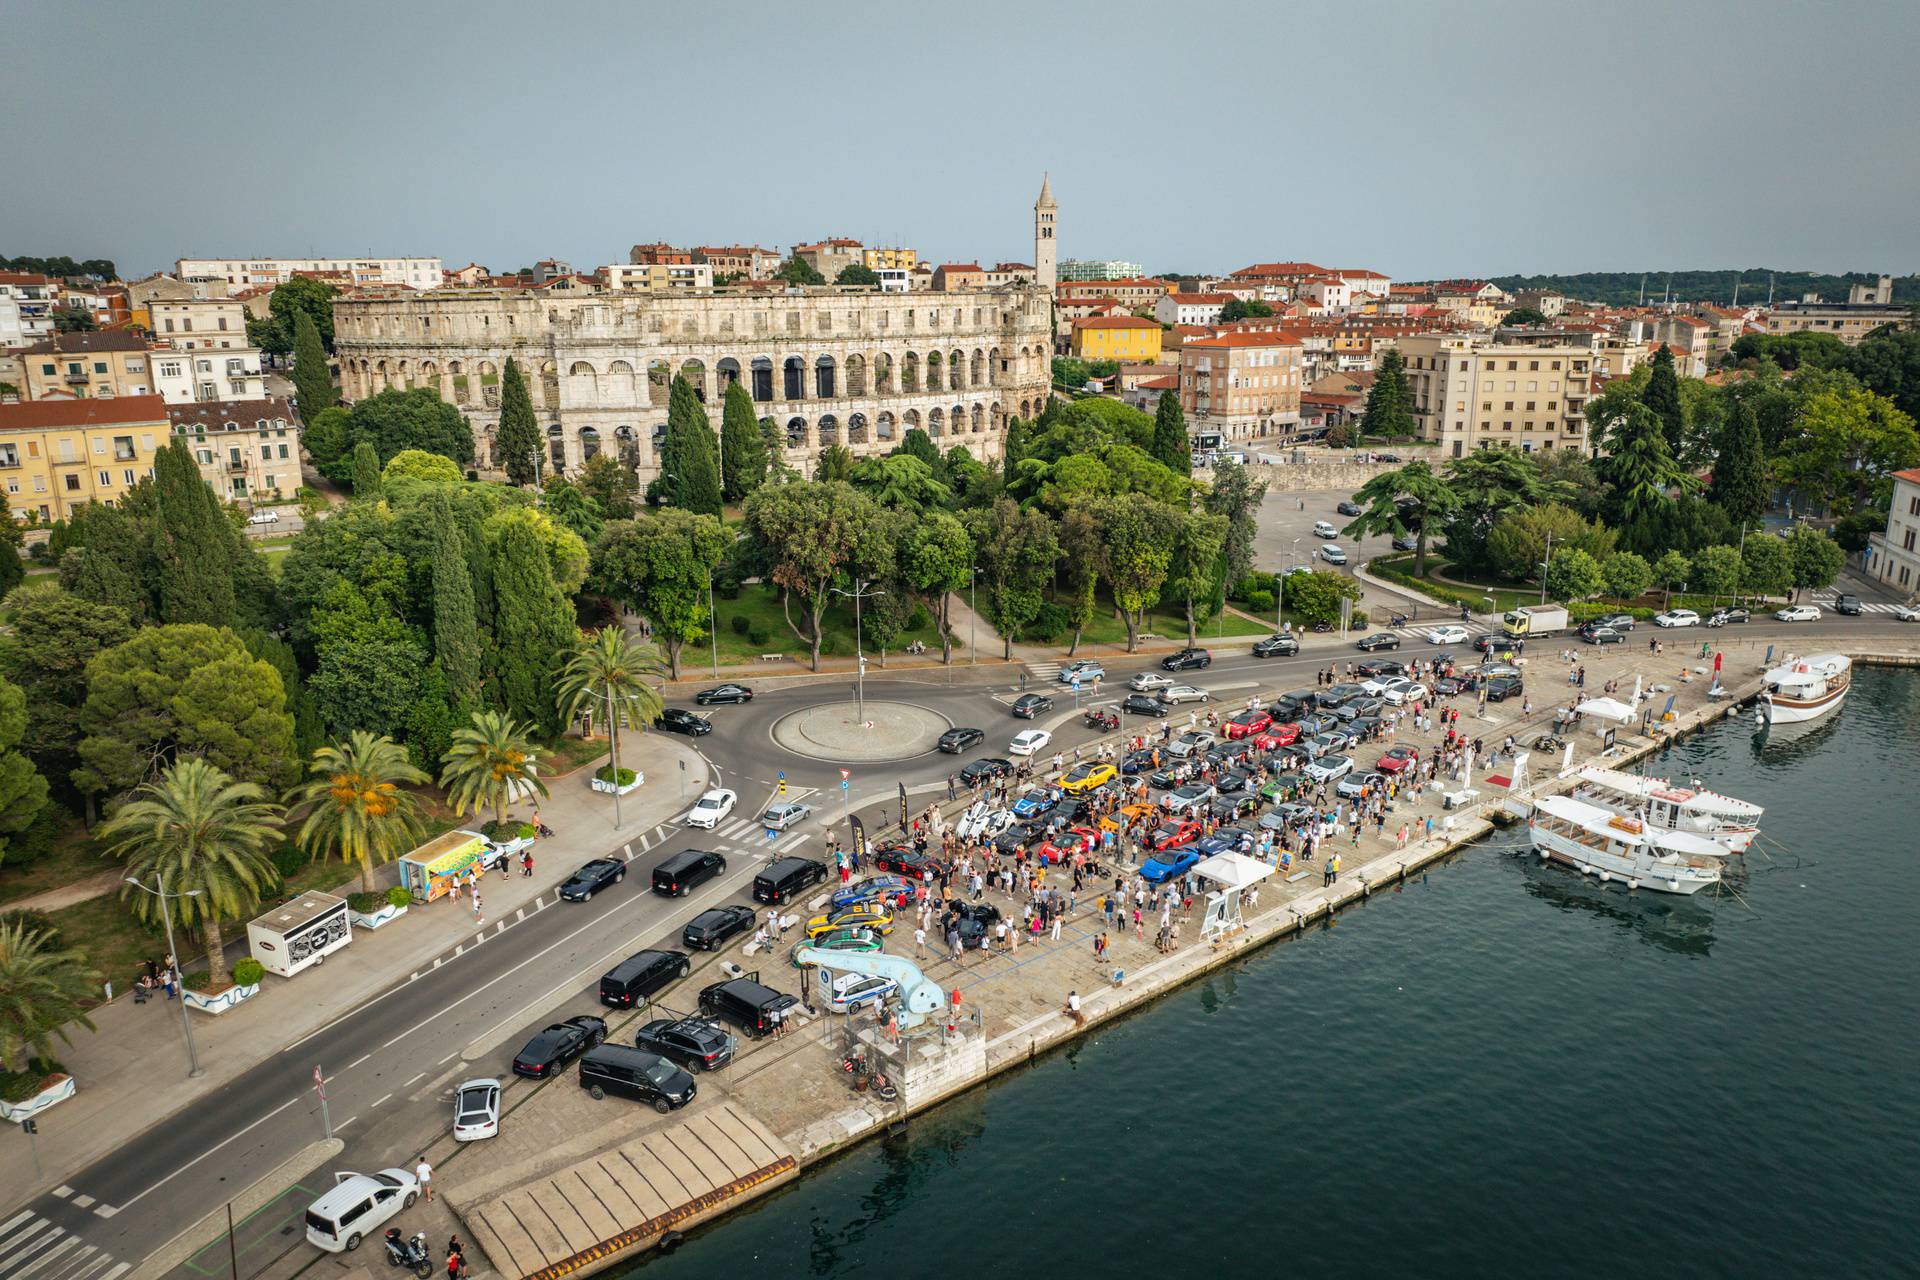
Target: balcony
x=76 y=376
x=235 y=466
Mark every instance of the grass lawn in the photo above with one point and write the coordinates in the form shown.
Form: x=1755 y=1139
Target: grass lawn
x=1105 y=628
x=115 y=943
x=760 y=605
x=1508 y=595
x=74 y=856
x=568 y=753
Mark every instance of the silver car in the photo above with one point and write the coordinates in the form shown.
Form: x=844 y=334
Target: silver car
x=1086 y=671
x=1189 y=798
x=780 y=816
x=1178 y=693
x=1329 y=768
x=1148 y=681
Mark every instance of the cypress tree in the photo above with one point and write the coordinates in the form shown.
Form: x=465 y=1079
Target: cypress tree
x=1740 y=469
x=366 y=470
x=742 y=453
x=1662 y=395
x=518 y=439
x=534 y=625
x=1386 y=414
x=456 y=634
x=918 y=444
x=1170 y=443
x=689 y=469
x=11 y=570
x=311 y=380
x=192 y=555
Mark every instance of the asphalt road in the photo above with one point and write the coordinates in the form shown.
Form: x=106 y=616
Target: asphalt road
x=391 y=1064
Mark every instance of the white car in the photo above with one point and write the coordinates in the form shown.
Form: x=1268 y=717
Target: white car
x=1329 y=768
x=1404 y=690
x=981 y=821
x=1148 y=681
x=1377 y=686
x=1907 y=613
x=1192 y=742
x=1799 y=613
x=356 y=1205
x=264 y=517
x=1680 y=618
x=1451 y=634
x=1321 y=529
x=1028 y=741
x=1183 y=693
x=1086 y=671
x=710 y=808
x=476 y=1110
x=1332 y=554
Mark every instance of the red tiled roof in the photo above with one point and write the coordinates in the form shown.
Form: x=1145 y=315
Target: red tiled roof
x=39 y=415
x=220 y=412
x=1158 y=384
x=23 y=277
x=961 y=266
x=1202 y=299
x=1911 y=475
x=1274 y=338
x=1361 y=275
x=81 y=343
x=1259 y=269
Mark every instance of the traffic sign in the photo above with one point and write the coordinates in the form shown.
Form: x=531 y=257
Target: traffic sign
x=843 y=784
x=845 y=774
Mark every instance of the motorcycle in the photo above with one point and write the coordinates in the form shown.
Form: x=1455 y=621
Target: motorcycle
x=412 y=1254
x=1397 y=620
x=1323 y=626
x=1103 y=720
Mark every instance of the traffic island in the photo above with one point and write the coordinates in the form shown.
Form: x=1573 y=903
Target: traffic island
x=845 y=731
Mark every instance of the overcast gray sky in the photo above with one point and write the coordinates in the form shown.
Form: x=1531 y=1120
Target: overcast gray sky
x=1422 y=139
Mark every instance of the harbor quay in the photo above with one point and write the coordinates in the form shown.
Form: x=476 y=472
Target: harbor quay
x=575 y=1185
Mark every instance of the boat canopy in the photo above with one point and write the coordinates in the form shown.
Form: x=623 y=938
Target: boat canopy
x=1691 y=800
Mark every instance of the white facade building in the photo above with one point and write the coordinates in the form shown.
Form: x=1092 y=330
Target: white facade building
x=414 y=273
x=182 y=377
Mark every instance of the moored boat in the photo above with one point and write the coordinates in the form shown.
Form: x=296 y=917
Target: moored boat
x=1729 y=822
x=1804 y=689
x=1609 y=846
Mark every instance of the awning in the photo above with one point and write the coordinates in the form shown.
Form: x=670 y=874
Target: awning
x=1233 y=870
x=1607 y=709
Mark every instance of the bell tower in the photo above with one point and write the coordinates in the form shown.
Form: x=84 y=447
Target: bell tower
x=1045 y=260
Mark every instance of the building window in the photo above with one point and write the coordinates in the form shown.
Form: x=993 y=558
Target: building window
x=106 y=479
x=126 y=477
x=73 y=482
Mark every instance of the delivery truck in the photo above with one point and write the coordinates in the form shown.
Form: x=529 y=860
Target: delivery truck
x=1536 y=620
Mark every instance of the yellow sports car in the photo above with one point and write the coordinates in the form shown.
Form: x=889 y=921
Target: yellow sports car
x=1085 y=777
x=869 y=917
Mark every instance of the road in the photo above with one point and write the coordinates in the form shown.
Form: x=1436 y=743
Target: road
x=390 y=1065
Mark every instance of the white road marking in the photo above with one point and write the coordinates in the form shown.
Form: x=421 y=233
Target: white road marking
x=344 y=1123
x=104 y=1210
x=118 y=1271
x=8 y=1239
x=383 y=1098
x=409 y=1084
x=357 y=1061
x=31 y=1242
x=63 y=1191
x=70 y=1242
x=83 y=1201
x=443 y=1062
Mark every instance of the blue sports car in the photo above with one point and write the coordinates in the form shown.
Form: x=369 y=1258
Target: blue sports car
x=1168 y=863
x=1033 y=803
x=890 y=889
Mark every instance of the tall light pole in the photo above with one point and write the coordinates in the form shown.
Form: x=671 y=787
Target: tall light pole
x=713 y=624
x=973 y=615
x=858 y=594
x=194 y=1069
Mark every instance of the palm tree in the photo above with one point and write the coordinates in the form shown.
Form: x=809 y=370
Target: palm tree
x=489 y=761
x=354 y=806
x=41 y=990
x=612 y=666
x=195 y=831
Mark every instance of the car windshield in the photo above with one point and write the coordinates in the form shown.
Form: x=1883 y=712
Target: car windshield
x=660 y=1071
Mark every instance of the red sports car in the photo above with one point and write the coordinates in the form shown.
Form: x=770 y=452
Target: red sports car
x=1398 y=758
x=1173 y=834
x=1275 y=736
x=1063 y=845
x=1248 y=723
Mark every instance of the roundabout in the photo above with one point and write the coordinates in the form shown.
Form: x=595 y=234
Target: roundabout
x=834 y=731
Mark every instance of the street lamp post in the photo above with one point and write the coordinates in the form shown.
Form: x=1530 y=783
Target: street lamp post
x=973 y=615
x=858 y=594
x=713 y=629
x=194 y=1069
x=613 y=757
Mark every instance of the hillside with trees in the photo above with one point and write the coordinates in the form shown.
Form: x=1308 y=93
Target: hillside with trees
x=1624 y=288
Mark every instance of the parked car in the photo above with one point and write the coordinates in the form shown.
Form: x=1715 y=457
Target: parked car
x=1405 y=542
x=1280 y=646
x=710 y=930
x=1175 y=694
x=1172 y=833
x=640 y=975
x=357 y=1203
x=1329 y=768
x=1165 y=864
x=887 y=890
x=782 y=814
x=903 y=861
x=974 y=921
x=985 y=769
x=1148 y=681
x=1799 y=613
x=1187 y=660
x=553 y=1047
x=1500 y=688
x=633 y=1073
x=1036 y=802
x=680 y=720
x=1323 y=529
x=1354 y=784
x=1618 y=621
x=592 y=877
x=698 y=1044
x=1140 y=704
x=678 y=873
x=1398 y=758
x=1230 y=808
x=710 y=809
x=264 y=517
x=723 y=693
x=1192 y=742
x=1029 y=705
x=1607 y=635
x=847 y=992
x=1723 y=617
x=1452 y=633
x=1275 y=736
x=1087 y=776
x=754 y=1008
x=1354 y=709
x=1401 y=690
x=1332 y=554
x=1086 y=671
x=954 y=741
x=1347 y=507
x=1028 y=741
x=864 y=915
x=1248 y=723
x=1378 y=640
x=476 y=1110
x=1677 y=618
x=1377 y=669
x=1188 y=797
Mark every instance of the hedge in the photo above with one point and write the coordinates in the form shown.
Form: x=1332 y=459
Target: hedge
x=18 y=1086
x=247 y=972
x=493 y=829
x=605 y=774
x=366 y=904
x=398 y=897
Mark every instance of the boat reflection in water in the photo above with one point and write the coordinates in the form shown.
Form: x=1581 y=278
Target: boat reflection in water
x=1786 y=742
x=1681 y=925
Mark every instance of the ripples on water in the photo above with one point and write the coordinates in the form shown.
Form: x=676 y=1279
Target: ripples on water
x=1501 y=1069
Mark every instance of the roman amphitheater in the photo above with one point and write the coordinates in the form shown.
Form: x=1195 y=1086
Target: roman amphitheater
x=830 y=365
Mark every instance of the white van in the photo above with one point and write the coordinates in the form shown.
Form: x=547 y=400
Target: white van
x=358 y=1204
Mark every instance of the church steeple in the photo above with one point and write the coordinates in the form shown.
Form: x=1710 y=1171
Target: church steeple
x=1045 y=251
x=1046 y=193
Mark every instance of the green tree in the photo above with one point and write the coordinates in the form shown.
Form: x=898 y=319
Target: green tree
x=302 y=295
x=533 y=625
x=1411 y=499
x=1193 y=575
x=354 y=807
x=689 y=467
x=196 y=832
x=112 y=563
x=1524 y=540
x=328 y=440
x=1237 y=496
x=491 y=763
x=23 y=792
x=456 y=628
x=1716 y=570
x=918 y=444
x=417 y=418
x=191 y=543
x=11 y=569
x=517 y=442
x=74 y=320
x=366 y=470
x=836 y=464
x=661 y=566
x=1524 y=315
x=808 y=533
x=798 y=271
x=1766 y=567
x=937 y=560
x=309 y=727
x=1640 y=466
x=1017 y=550
x=414 y=464
x=1568 y=476
x=1672 y=570
x=54 y=634
x=1171 y=447
x=1490 y=483
x=1244 y=308
x=855 y=273
x=570 y=507
x=1887 y=364
x=773 y=446
x=312 y=379
x=1315 y=597
x=1662 y=396
x=1137 y=552
x=610 y=667
x=743 y=453
x=181 y=690
x=1386 y=414
x=901 y=481
x=1574 y=575
x=611 y=485
x=1079 y=565
x=1848 y=445
x=1740 y=469
x=1816 y=558
x=1627 y=576
x=43 y=987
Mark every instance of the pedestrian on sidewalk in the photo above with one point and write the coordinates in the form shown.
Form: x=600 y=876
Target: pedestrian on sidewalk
x=424 y=1172
x=526 y=861
x=920 y=938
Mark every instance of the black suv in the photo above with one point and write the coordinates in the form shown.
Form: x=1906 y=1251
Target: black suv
x=753 y=1008
x=698 y=1044
x=1500 y=688
x=550 y=1050
x=680 y=873
x=1281 y=646
x=1187 y=660
x=954 y=741
x=1141 y=704
x=644 y=1077
x=640 y=975
x=1029 y=705
x=710 y=930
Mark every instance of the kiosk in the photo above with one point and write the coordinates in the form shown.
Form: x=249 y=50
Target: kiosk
x=430 y=871
x=300 y=933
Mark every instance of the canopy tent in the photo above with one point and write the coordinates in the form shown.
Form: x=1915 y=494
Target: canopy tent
x=1236 y=874
x=1607 y=709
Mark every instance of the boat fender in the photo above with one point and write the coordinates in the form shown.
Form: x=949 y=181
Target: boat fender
x=1633 y=884
x=1603 y=876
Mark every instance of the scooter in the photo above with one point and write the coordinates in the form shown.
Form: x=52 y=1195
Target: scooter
x=411 y=1254
x=1102 y=720
x=1397 y=620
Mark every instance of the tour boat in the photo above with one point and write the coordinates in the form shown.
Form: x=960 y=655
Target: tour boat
x=1610 y=846
x=1804 y=689
x=1731 y=823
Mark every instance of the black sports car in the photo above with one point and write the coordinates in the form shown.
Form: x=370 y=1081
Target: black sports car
x=680 y=720
x=723 y=693
x=954 y=741
x=974 y=920
x=1378 y=640
x=1281 y=646
x=1379 y=667
x=903 y=862
x=698 y=1044
x=592 y=878
x=1187 y=660
x=1140 y=704
x=549 y=1052
x=985 y=769
x=710 y=930
x=1491 y=643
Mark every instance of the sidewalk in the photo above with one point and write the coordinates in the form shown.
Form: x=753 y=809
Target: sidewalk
x=132 y=1069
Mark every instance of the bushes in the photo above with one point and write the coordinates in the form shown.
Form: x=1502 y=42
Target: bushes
x=18 y=1086
x=288 y=859
x=366 y=904
x=1390 y=570
x=34 y=922
x=501 y=832
x=398 y=897
x=1248 y=587
x=605 y=774
x=757 y=636
x=1050 y=626
x=740 y=624
x=1259 y=601
x=247 y=972
x=38 y=839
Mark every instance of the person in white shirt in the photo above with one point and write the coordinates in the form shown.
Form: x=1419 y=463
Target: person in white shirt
x=424 y=1172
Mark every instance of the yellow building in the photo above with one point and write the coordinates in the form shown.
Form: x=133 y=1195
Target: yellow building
x=1128 y=339
x=93 y=364
x=900 y=259
x=57 y=455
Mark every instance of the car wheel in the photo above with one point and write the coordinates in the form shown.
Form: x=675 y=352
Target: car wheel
x=685 y=968
x=618 y=876
x=663 y=1106
x=596 y=1093
x=353 y=1242
x=411 y=1197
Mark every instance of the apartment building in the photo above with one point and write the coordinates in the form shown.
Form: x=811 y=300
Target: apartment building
x=1893 y=557
x=27 y=304
x=246 y=449
x=1133 y=292
x=1523 y=389
x=198 y=324
x=93 y=365
x=1129 y=339
x=658 y=254
x=1867 y=308
x=1077 y=269
x=59 y=455
x=1244 y=386
x=182 y=377
x=958 y=277
x=658 y=277
x=749 y=262
x=889 y=259
x=413 y=273
x=831 y=257
x=1191 y=308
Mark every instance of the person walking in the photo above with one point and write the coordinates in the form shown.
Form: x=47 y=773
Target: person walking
x=920 y=938
x=424 y=1173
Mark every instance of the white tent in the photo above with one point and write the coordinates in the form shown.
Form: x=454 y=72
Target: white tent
x=1607 y=709
x=1233 y=870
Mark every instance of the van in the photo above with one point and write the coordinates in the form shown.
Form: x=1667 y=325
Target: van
x=754 y=1008
x=681 y=872
x=783 y=880
x=640 y=975
x=636 y=1074
x=358 y=1203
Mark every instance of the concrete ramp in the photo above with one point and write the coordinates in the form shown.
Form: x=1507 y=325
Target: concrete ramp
x=578 y=1219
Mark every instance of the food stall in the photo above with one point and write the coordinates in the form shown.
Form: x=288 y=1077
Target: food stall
x=299 y=933
x=431 y=870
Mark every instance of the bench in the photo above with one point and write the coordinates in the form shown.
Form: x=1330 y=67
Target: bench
x=773 y=657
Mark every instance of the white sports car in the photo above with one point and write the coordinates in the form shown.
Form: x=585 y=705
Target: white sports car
x=1453 y=633
x=711 y=808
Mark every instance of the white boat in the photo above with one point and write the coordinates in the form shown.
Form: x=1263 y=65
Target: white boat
x=1609 y=846
x=1805 y=688
x=1731 y=823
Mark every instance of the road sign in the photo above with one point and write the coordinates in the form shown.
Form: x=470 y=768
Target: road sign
x=845 y=774
x=319 y=1085
x=843 y=784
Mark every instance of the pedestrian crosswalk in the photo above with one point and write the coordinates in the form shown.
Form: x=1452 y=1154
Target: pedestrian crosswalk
x=749 y=831
x=1825 y=599
x=32 y=1248
x=1044 y=670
